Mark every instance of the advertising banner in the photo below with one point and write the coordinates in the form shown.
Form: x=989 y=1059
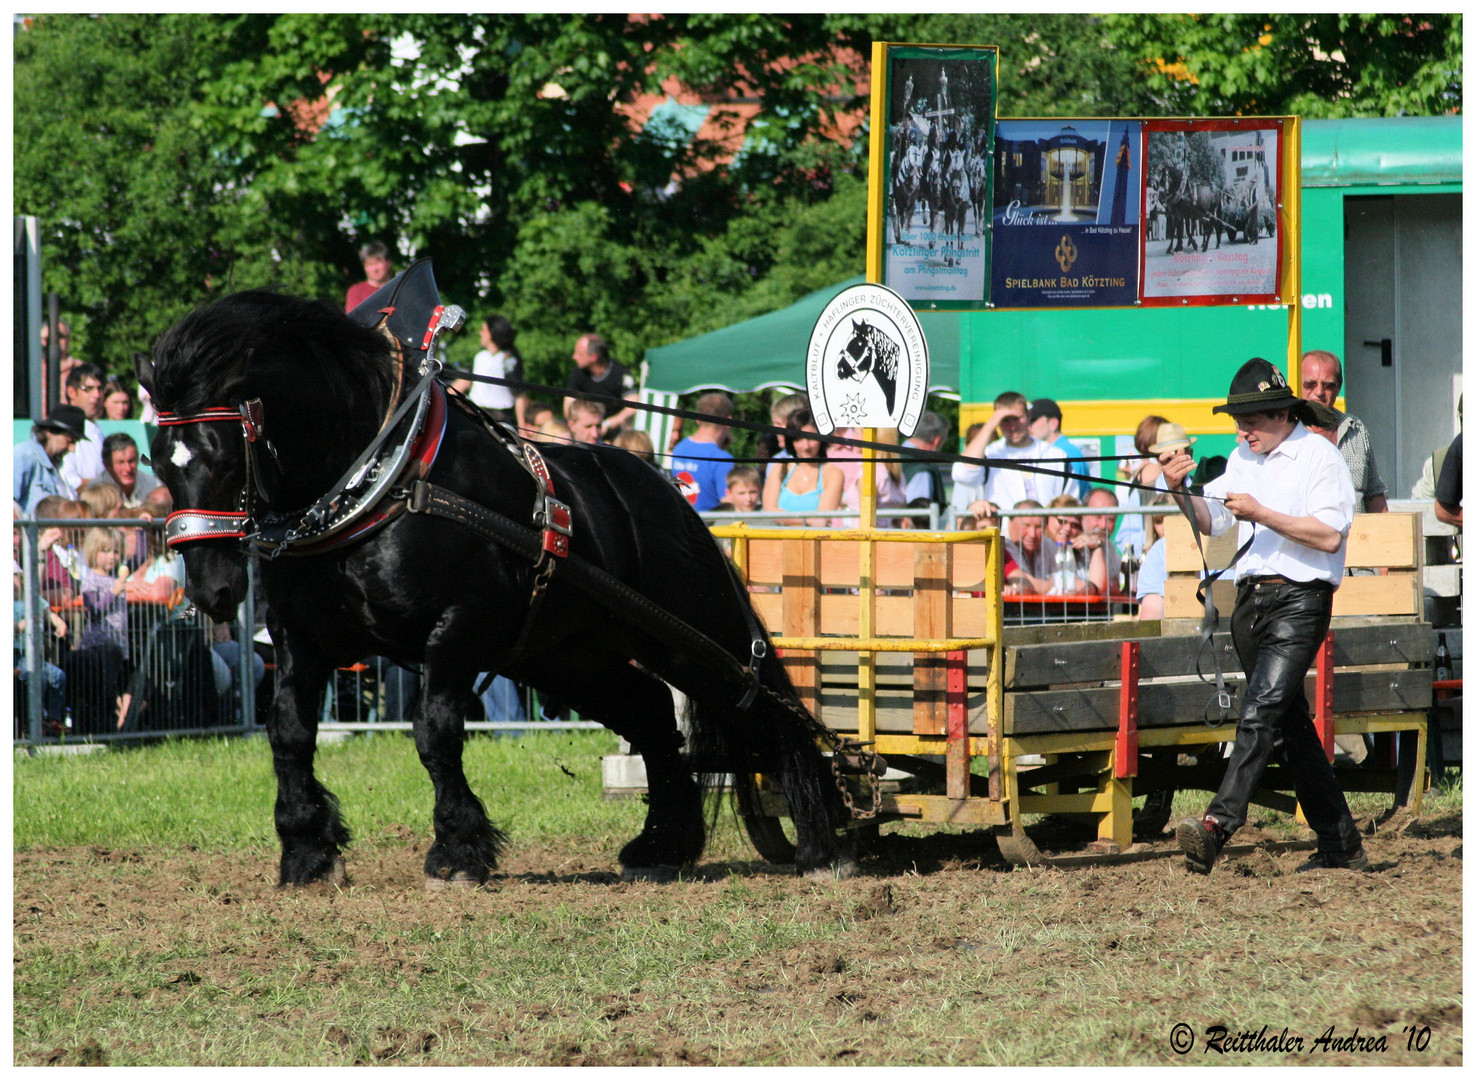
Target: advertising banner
x=938 y=116
x=1066 y=213
x=1210 y=205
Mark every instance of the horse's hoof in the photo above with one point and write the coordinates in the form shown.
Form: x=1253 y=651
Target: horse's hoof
x=338 y=876
x=843 y=867
x=660 y=874
x=459 y=880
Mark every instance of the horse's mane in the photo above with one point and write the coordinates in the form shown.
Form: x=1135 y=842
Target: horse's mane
x=212 y=355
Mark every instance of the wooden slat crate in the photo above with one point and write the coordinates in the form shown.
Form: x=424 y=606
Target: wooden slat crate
x=1392 y=544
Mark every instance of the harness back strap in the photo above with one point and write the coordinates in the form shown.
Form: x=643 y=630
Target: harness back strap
x=423 y=497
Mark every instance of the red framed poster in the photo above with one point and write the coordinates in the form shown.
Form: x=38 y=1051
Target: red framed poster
x=1212 y=212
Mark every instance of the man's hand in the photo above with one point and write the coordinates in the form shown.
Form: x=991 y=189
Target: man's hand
x=1177 y=465
x=1245 y=507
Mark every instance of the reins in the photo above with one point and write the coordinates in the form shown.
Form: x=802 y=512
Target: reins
x=893 y=450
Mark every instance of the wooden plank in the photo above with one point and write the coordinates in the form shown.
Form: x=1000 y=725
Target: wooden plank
x=801 y=616
x=1179 y=601
x=840 y=563
x=1383 y=642
x=1168 y=704
x=1395 y=541
x=1100 y=661
x=932 y=620
x=1395 y=594
x=1379 y=540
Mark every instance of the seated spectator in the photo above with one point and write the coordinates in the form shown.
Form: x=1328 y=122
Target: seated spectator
x=53 y=679
x=1096 y=532
x=535 y=415
x=1024 y=547
x=807 y=482
x=742 y=490
x=162 y=571
x=59 y=548
x=96 y=670
x=553 y=431
x=225 y=664
x=584 y=419
x=1154 y=572
x=1076 y=569
x=771 y=446
x=101 y=497
x=638 y=443
x=961 y=504
x=1131 y=540
x=117 y=404
x=120 y=459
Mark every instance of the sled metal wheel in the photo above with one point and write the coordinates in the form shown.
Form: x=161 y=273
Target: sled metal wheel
x=766 y=831
x=1150 y=819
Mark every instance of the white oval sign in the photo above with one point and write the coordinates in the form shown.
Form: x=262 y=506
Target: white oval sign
x=867 y=364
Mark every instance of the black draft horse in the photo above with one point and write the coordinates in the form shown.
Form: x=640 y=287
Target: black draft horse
x=431 y=592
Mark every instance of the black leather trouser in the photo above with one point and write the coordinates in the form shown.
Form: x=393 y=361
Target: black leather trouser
x=1277 y=628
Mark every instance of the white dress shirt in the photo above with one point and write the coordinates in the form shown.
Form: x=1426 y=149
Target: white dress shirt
x=1305 y=476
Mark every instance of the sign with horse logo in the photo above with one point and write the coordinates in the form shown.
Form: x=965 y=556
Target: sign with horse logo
x=867 y=364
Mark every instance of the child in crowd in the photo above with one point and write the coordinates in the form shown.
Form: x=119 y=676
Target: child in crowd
x=638 y=443
x=743 y=490
x=53 y=679
x=97 y=667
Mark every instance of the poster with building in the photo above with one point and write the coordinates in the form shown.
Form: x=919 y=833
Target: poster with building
x=1209 y=203
x=939 y=123
x=1066 y=213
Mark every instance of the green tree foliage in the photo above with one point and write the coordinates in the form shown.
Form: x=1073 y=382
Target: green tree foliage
x=129 y=192
x=1331 y=65
x=1051 y=64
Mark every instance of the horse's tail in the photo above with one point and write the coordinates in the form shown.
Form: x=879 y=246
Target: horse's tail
x=777 y=737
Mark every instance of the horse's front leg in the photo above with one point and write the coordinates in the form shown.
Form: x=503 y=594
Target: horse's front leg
x=467 y=844
x=312 y=833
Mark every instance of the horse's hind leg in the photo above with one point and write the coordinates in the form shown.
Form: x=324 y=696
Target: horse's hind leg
x=638 y=707
x=467 y=845
x=308 y=822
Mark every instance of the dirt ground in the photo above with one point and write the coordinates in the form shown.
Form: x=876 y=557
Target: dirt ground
x=1385 y=948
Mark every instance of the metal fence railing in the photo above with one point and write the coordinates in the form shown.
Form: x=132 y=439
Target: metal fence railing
x=106 y=646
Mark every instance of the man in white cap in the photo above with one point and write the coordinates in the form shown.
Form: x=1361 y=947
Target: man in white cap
x=1292 y=497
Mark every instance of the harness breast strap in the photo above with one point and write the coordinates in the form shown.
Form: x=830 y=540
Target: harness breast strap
x=424 y=497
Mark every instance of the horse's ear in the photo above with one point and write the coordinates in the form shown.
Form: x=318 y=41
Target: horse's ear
x=143 y=364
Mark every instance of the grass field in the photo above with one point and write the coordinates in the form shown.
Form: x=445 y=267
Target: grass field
x=148 y=931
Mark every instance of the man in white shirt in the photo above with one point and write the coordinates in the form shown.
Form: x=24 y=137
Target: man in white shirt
x=83 y=390
x=1007 y=486
x=1292 y=495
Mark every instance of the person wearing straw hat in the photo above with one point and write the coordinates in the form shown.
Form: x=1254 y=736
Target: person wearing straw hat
x=38 y=459
x=1291 y=495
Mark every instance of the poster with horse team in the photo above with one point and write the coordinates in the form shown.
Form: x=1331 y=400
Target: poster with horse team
x=1210 y=202
x=940 y=104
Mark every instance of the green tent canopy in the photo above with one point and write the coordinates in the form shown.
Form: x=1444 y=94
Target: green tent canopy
x=769 y=350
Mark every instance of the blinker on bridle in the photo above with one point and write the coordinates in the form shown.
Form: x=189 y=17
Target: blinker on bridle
x=183 y=526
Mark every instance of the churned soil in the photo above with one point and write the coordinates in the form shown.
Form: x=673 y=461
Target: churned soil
x=939 y=953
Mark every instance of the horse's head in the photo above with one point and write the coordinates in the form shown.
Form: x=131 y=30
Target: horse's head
x=204 y=466
x=855 y=358
x=224 y=377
